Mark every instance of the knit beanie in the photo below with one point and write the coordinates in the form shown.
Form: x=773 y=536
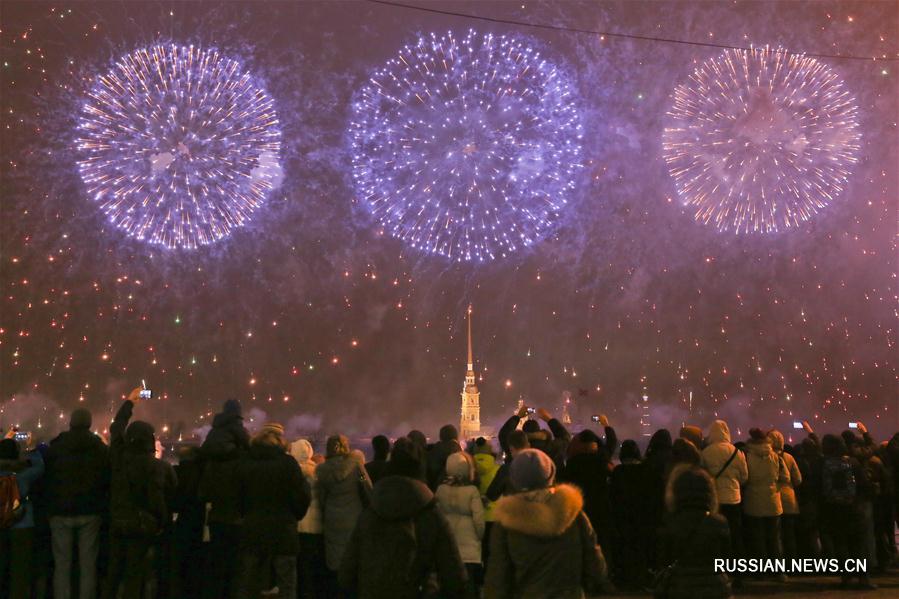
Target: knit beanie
x=80 y=419
x=532 y=469
x=273 y=427
x=271 y=434
x=693 y=434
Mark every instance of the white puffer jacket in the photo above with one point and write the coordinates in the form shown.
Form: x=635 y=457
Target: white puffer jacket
x=766 y=472
x=716 y=453
x=301 y=450
x=463 y=508
x=786 y=486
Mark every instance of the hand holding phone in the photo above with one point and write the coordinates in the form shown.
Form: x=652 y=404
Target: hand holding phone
x=797 y=425
x=853 y=425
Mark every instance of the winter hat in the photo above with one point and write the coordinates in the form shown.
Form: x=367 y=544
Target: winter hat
x=532 y=469
x=448 y=432
x=337 y=445
x=9 y=449
x=583 y=442
x=407 y=459
x=270 y=435
x=777 y=439
x=693 y=434
x=301 y=450
x=691 y=487
x=80 y=419
x=141 y=436
x=531 y=426
x=629 y=450
x=232 y=406
x=458 y=467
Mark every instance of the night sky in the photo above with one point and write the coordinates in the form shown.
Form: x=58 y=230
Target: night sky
x=313 y=315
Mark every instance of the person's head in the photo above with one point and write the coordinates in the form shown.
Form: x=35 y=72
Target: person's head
x=482 y=445
x=630 y=451
x=448 y=433
x=849 y=439
x=530 y=426
x=418 y=438
x=532 y=469
x=585 y=441
x=140 y=437
x=757 y=435
x=231 y=407
x=833 y=446
x=407 y=458
x=459 y=468
x=381 y=447
x=9 y=449
x=690 y=488
x=80 y=420
x=777 y=439
x=336 y=446
x=684 y=452
x=693 y=434
x=301 y=450
x=660 y=442
x=518 y=441
x=809 y=450
x=270 y=435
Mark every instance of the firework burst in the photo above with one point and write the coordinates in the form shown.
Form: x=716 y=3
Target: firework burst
x=760 y=140
x=178 y=145
x=467 y=149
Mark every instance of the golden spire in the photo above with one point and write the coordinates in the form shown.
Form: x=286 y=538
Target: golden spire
x=470 y=360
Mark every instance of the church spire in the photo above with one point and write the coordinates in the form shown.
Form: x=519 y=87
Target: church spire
x=470 y=360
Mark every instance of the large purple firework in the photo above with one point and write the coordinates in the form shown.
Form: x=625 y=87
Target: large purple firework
x=467 y=149
x=178 y=145
x=760 y=140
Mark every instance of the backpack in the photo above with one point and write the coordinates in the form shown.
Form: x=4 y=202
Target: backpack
x=12 y=508
x=838 y=481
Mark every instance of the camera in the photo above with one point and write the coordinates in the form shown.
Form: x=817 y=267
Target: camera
x=594 y=418
x=797 y=425
x=532 y=410
x=853 y=425
x=21 y=437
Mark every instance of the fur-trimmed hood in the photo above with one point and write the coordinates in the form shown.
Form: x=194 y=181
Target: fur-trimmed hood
x=337 y=468
x=542 y=513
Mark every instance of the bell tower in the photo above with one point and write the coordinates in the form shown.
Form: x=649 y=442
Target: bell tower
x=471 y=397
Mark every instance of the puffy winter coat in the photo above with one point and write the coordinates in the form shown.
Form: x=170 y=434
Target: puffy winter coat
x=693 y=539
x=342 y=485
x=761 y=498
x=786 y=485
x=302 y=452
x=77 y=477
x=461 y=503
x=274 y=498
x=716 y=453
x=542 y=545
x=487 y=468
x=399 y=540
x=225 y=445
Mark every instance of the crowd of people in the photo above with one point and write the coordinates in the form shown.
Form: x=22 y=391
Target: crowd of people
x=544 y=514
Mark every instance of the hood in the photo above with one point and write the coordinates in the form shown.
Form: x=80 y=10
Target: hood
x=544 y=513
x=301 y=450
x=759 y=447
x=336 y=469
x=458 y=466
x=484 y=462
x=719 y=432
x=399 y=497
x=777 y=440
